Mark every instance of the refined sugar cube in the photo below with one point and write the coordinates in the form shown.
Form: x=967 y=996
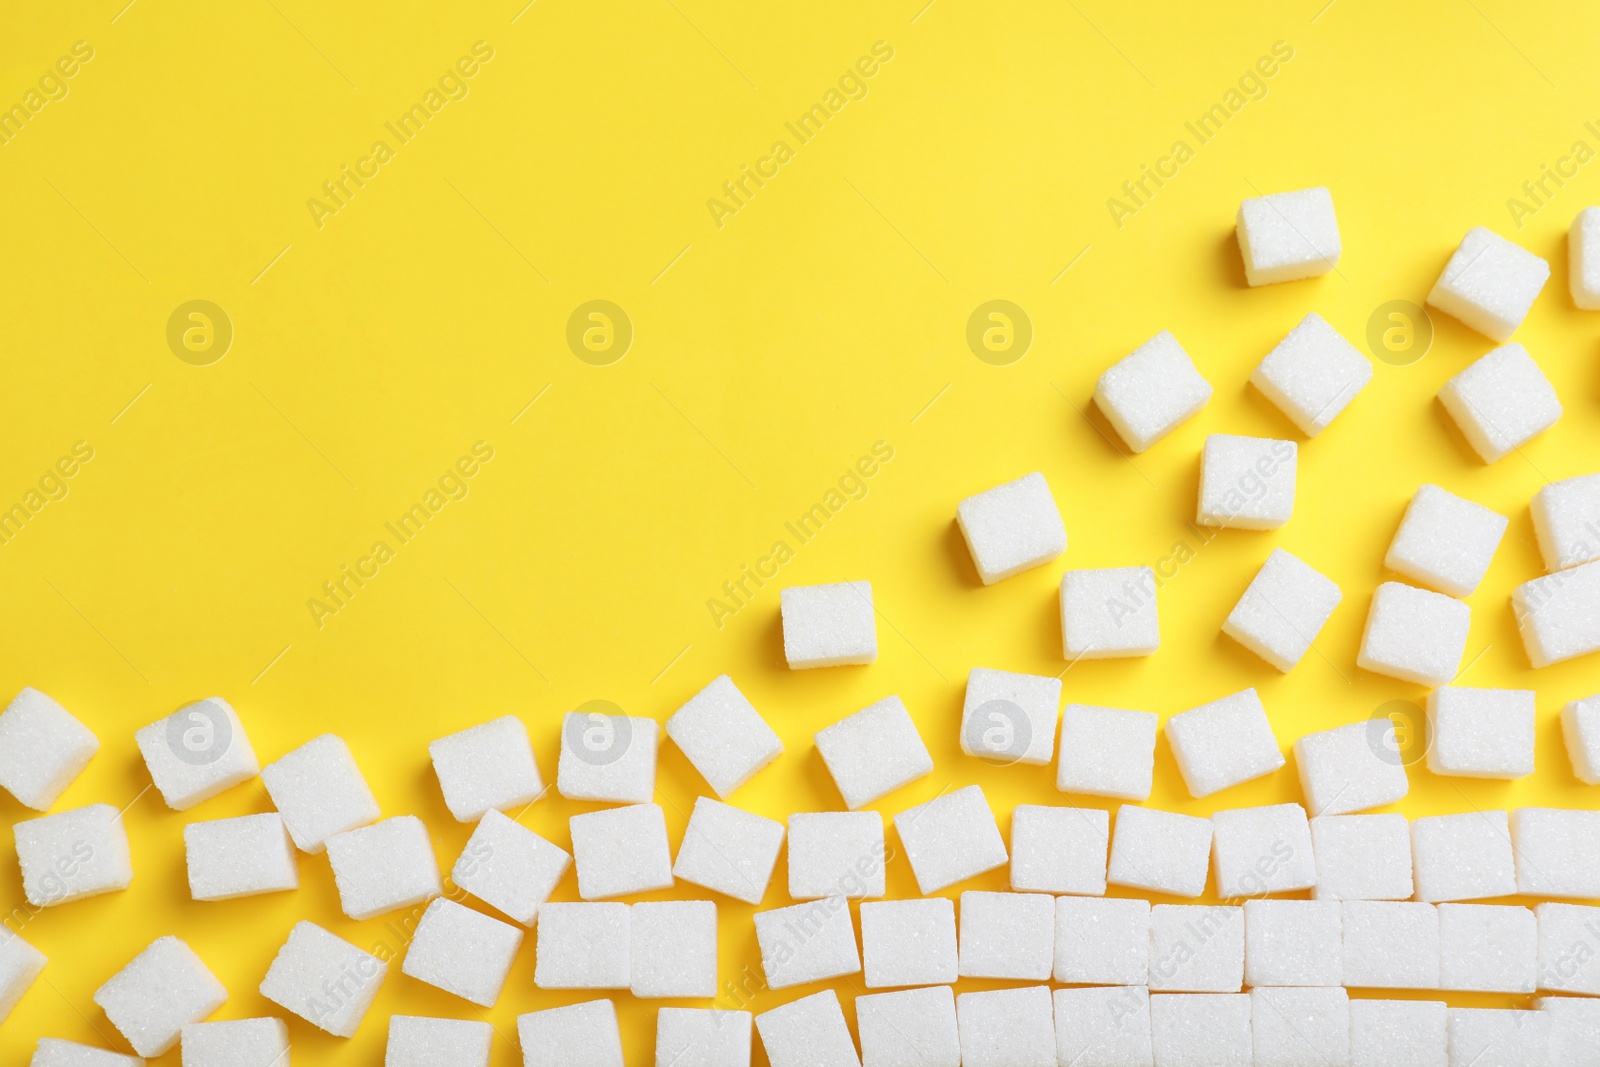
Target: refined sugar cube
x=1488 y=948
x=1282 y=611
x=1201 y=1029
x=1007 y=1028
x=836 y=853
x=52 y=1052
x=1390 y=944
x=1160 y=851
x=1583 y=241
x=730 y=850
x=1362 y=857
x=1580 y=728
x=1151 y=391
x=1059 y=850
x=324 y=979
x=578 y=1035
x=1574 y=1030
x=1107 y=752
x=1398 y=1033
x=319 y=791
x=1445 y=542
x=1566 y=518
x=1559 y=614
x=1350 y=768
x=385 y=866
x=486 y=766
x=807 y=942
x=1481 y=733
x=1299 y=1027
x=1223 y=743
x=1501 y=402
x=908 y=942
x=1109 y=612
x=1102 y=941
x=197 y=752
x=873 y=752
x=1463 y=857
x=828 y=625
x=420 y=1041
x=1007 y=935
x=163 y=988
x=583 y=945
x=1012 y=528
x=236 y=1043
x=909 y=1028
x=509 y=867
x=1288 y=236
x=72 y=855
x=1414 y=635
x=1312 y=374
x=724 y=736
x=43 y=748
x=1489 y=284
x=1499 y=1037
x=673 y=949
x=703 y=1037
x=620 y=851
x=1262 y=850
x=462 y=951
x=1010 y=718
x=1246 y=483
x=951 y=838
x=809 y=1032
x=1556 y=852
x=237 y=857
x=610 y=758
x=20 y=965
x=1569 y=948
x=1196 y=948
x=1293 y=943
x=1104 y=1027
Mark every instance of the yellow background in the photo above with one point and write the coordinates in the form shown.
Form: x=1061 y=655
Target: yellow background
x=769 y=354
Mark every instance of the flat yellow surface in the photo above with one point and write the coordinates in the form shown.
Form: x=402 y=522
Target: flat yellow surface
x=774 y=342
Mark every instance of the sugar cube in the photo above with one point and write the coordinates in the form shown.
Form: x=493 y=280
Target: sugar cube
x=1390 y=944
x=702 y=1037
x=1580 y=729
x=20 y=965
x=236 y=1043
x=1103 y=1027
x=1246 y=483
x=909 y=1028
x=151 y=999
x=873 y=752
x=1501 y=402
x=1288 y=236
x=238 y=857
x=43 y=748
x=1151 y=391
x=1488 y=948
x=724 y=736
x=951 y=838
x=1574 y=1030
x=1102 y=941
x=52 y=1052
x=324 y=979
x=462 y=951
x=1569 y=948
x=1059 y=850
x=1012 y=527
x=509 y=867
x=486 y=766
x=1293 y=943
x=385 y=866
x=1351 y=767
x=672 y=950
x=421 y=1041
x=1262 y=850
x=197 y=752
x=1109 y=612
x=1196 y=948
x=1007 y=1028
x=1007 y=935
x=619 y=851
x=829 y=625
x=1499 y=1037
x=1312 y=374
x=1489 y=284
x=908 y=942
x=1201 y=1029
x=1445 y=542
x=583 y=945
x=72 y=855
x=1223 y=743
x=730 y=850
x=1107 y=752
x=1398 y=1033
x=1362 y=857
x=1010 y=718
x=1298 y=1027
x=319 y=791
x=1160 y=851
x=611 y=758
x=836 y=853
x=1583 y=241
x=1414 y=635
x=1463 y=857
x=807 y=942
x=1566 y=518
x=1481 y=733
x=809 y=1032
x=1556 y=852
x=1283 y=610
x=1559 y=614
x=578 y=1035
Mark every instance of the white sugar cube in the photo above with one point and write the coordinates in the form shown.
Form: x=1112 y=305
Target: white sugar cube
x=1103 y=1027
x=1463 y=857
x=1390 y=944
x=1007 y=1028
x=1282 y=610
x=1580 y=728
x=197 y=752
x=1007 y=935
x=1362 y=857
x=611 y=758
x=1262 y=850
x=1574 y=1030
x=1160 y=851
x=724 y=736
x=52 y=1052
x=1398 y=1033
x=385 y=866
x=1414 y=635
x=20 y=965
x=829 y=625
x=72 y=855
x=702 y=1037
x=319 y=791
x=1488 y=948
x=873 y=752
x=324 y=979
x=583 y=945
x=43 y=748
x=673 y=949
x=1102 y=941
x=1201 y=1029
x=731 y=851
x=807 y=942
x=1312 y=374
x=951 y=838
x=1246 y=483
x=908 y=942
x=1151 y=391
x=1499 y=1037
x=809 y=1032
x=509 y=867
x=1566 y=518
x=836 y=853
x=1012 y=527
x=1059 y=850
x=1559 y=614
x=1009 y=717
x=1288 y=236
x=462 y=951
x=1501 y=402
x=1223 y=743
x=422 y=1041
x=578 y=1035
x=909 y=1028
x=236 y=1043
x=1444 y=542
x=1351 y=767
x=1583 y=244
x=486 y=766
x=1569 y=948
x=1557 y=852
x=1107 y=752
x=1489 y=284
x=620 y=851
x=1196 y=948
x=1298 y=1027
x=1293 y=943
x=1109 y=612
x=151 y=999
x=1481 y=733
x=238 y=857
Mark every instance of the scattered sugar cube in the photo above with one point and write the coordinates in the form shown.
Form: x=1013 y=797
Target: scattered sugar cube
x=1012 y=527
x=909 y=1028
x=724 y=736
x=730 y=850
x=43 y=749
x=238 y=857
x=873 y=752
x=1223 y=743
x=1488 y=948
x=1501 y=402
x=485 y=767
x=1105 y=1027
x=385 y=866
x=1160 y=851
x=1489 y=284
x=807 y=942
x=1414 y=635
x=1151 y=391
x=1262 y=850
x=1312 y=374
x=1246 y=483
x=1288 y=236
x=1362 y=857
x=1559 y=614
x=828 y=625
x=809 y=1032
x=72 y=855
x=1445 y=542
x=611 y=758
x=462 y=951
x=620 y=851
x=836 y=853
x=1292 y=1027
x=583 y=945
x=1007 y=1028
x=1569 y=948
x=421 y=1041
x=509 y=867
x=1556 y=852
x=1499 y=1037
x=1102 y=941
x=1463 y=857
x=1293 y=943
x=1109 y=612
x=1481 y=733
x=1059 y=850
x=703 y=1037
x=1283 y=610
x=673 y=949
x=1398 y=1033
x=1350 y=768
x=1010 y=718
x=52 y=1052
x=20 y=965
x=1566 y=518
x=1007 y=935
x=1107 y=752
x=1196 y=948
x=1580 y=728
x=324 y=979
x=151 y=999
x=951 y=838
x=1390 y=944
x=1583 y=263
x=197 y=752
x=319 y=791
x=578 y=1035
x=908 y=942
x=236 y=1043
x=1574 y=1030
x=1201 y=1029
